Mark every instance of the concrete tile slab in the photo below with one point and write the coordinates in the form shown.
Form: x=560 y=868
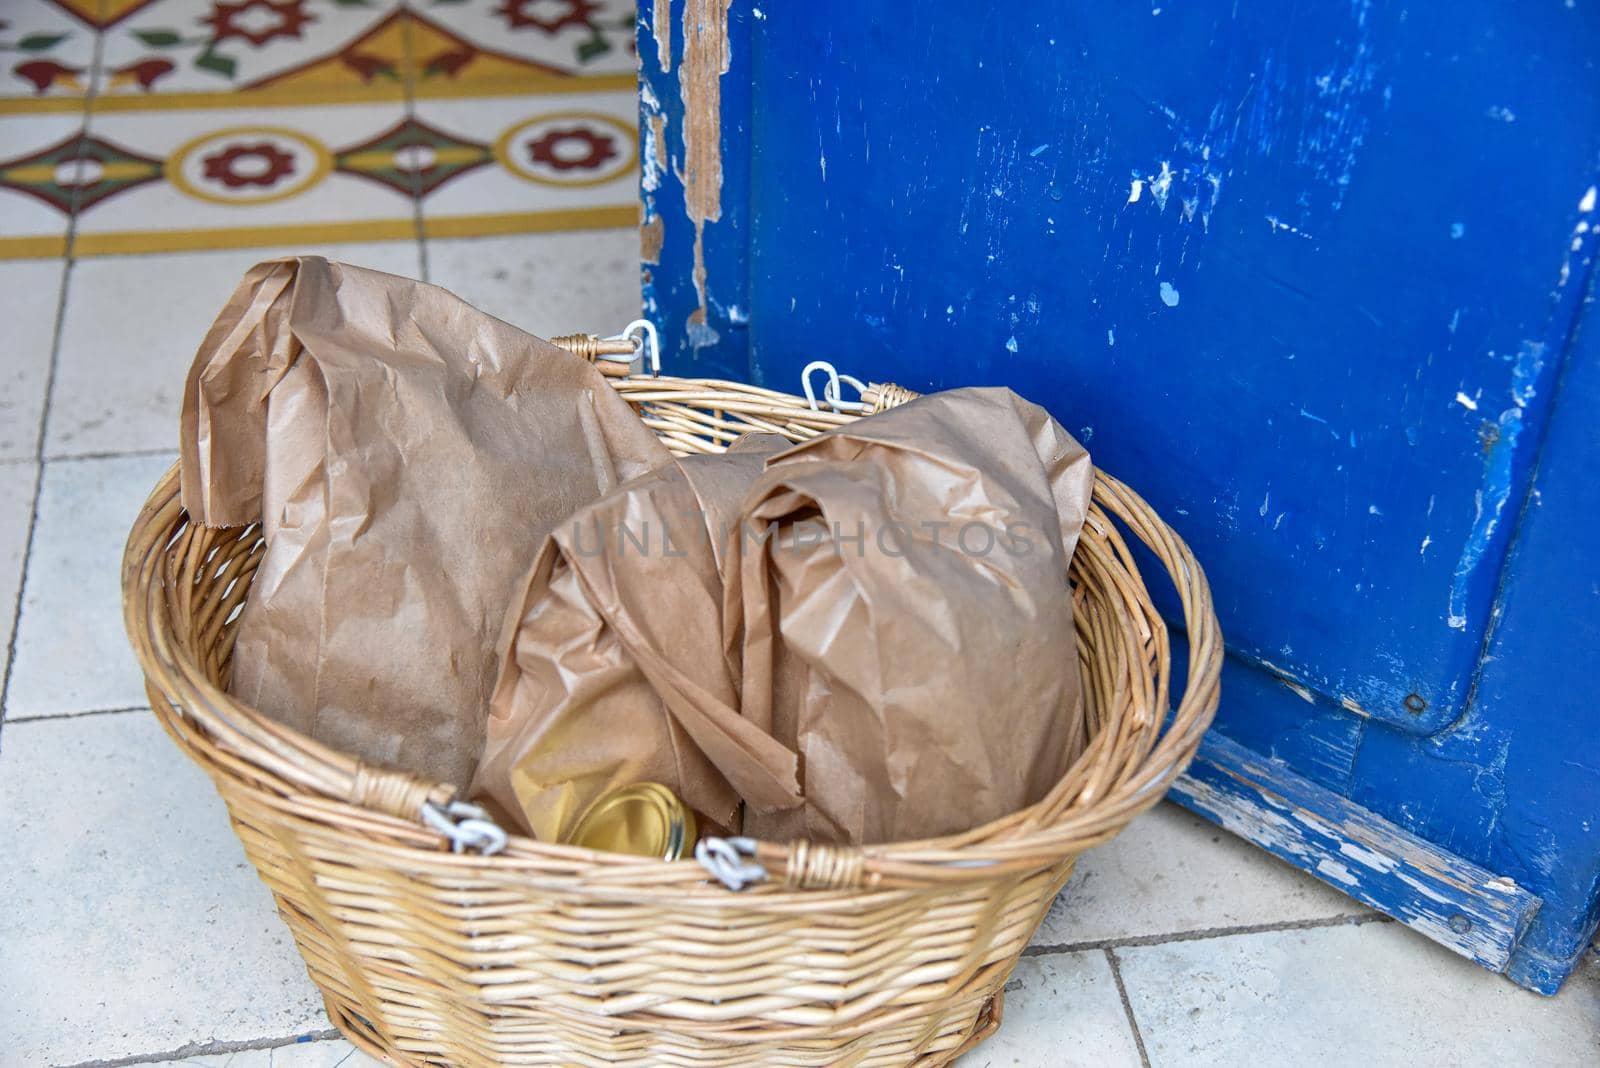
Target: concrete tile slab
x=1373 y=994
x=133 y=922
x=1170 y=872
x=72 y=653
x=1061 y=1009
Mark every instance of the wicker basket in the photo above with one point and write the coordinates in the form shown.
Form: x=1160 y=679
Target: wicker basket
x=552 y=955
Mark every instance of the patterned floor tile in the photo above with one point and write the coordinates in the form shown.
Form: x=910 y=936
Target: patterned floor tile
x=119 y=377
x=584 y=282
x=39 y=179
x=533 y=163
x=174 y=51
x=46 y=54
x=503 y=47
x=224 y=123
x=29 y=297
x=133 y=922
x=72 y=654
x=209 y=177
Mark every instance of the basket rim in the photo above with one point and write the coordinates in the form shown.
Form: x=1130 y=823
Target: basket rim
x=317 y=783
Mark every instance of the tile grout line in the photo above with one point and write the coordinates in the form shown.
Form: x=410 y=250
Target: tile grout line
x=75 y=457
x=49 y=392
x=208 y=1049
x=1127 y=1006
x=50 y=717
x=1139 y=941
x=409 y=89
x=1106 y=946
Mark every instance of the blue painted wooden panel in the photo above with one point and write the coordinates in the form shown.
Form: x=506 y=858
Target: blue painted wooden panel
x=1308 y=275
x=1472 y=910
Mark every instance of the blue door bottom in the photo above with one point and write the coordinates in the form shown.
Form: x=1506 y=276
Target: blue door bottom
x=1475 y=912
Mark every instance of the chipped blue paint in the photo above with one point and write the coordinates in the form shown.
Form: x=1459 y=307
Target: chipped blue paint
x=1476 y=912
x=1353 y=211
x=1500 y=468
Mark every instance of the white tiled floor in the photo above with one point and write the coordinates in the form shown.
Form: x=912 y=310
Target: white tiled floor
x=131 y=912
x=552 y=284
x=133 y=931
x=16 y=514
x=119 y=378
x=71 y=652
x=29 y=312
x=1375 y=994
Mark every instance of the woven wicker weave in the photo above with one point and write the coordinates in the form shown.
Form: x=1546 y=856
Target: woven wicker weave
x=550 y=955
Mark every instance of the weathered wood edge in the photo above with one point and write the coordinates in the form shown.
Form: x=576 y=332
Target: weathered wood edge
x=1457 y=904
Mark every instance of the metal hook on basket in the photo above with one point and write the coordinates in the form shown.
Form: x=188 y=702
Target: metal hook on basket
x=830 y=389
x=725 y=859
x=646 y=344
x=466 y=825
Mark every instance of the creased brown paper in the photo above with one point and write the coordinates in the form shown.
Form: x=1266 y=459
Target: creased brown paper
x=406 y=455
x=619 y=666
x=907 y=622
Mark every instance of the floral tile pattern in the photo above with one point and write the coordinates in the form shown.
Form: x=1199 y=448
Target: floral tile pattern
x=214 y=177
x=236 y=123
x=46 y=54
x=229 y=46
x=38 y=176
x=499 y=45
x=540 y=160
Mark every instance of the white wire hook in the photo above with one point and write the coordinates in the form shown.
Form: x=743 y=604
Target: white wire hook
x=730 y=860
x=466 y=825
x=647 y=343
x=830 y=389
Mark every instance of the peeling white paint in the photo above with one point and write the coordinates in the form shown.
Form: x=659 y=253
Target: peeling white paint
x=1169 y=295
x=1136 y=191
x=1161 y=185
x=650 y=155
x=1466 y=402
x=1427 y=540
x=1333 y=871
x=1586 y=205
x=1489 y=502
x=1111 y=339
x=1278 y=224
x=1011 y=343
x=1369 y=858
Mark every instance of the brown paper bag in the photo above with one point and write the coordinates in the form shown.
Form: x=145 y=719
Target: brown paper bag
x=406 y=455
x=618 y=665
x=907 y=621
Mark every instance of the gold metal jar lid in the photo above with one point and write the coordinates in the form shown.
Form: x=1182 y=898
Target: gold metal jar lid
x=644 y=819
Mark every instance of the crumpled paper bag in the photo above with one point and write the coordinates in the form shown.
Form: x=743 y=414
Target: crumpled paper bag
x=406 y=455
x=619 y=665
x=907 y=623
